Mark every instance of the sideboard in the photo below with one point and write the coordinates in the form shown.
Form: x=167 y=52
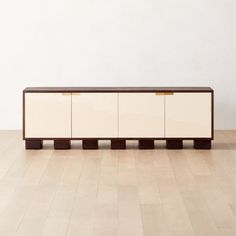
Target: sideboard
x=118 y=114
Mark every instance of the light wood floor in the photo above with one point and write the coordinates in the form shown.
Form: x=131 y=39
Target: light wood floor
x=117 y=192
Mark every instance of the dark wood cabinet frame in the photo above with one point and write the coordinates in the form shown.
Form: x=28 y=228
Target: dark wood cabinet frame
x=119 y=143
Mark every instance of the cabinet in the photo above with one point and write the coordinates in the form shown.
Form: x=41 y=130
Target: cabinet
x=94 y=115
x=141 y=115
x=47 y=115
x=188 y=115
x=118 y=114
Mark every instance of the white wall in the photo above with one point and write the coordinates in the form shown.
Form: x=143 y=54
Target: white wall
x=117 y=42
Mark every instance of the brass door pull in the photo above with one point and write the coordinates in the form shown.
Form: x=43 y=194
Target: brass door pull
x=164 y=93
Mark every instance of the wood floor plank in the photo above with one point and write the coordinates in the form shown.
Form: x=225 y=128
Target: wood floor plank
x=8 y=140
x=193 y=199
x=154 y=222
x=83 y=213
x=19 y=193
x=175 y=212
x=221 y=178
x=35 y=217
x=129 y=212
x=9 y=155
x=60 y=211
x=106 y=223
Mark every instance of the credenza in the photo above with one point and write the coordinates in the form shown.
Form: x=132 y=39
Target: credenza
x=118 y=114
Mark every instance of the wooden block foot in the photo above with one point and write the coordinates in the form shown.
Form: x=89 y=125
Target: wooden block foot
x=146 y=144
x=90 y=144
x=118 y=144
x=202 y=144
x=33 y=144
x=61 y=144
x=174 y=144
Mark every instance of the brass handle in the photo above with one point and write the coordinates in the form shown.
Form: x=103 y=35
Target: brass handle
x=164 y=93
x=66 y=94
x=75 y=93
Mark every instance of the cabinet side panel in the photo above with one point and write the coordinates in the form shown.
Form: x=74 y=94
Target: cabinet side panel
x=47 y=115
x=188 y=115
x=141 y=115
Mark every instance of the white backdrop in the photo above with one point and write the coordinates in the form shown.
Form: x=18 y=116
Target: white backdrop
x=117 y=43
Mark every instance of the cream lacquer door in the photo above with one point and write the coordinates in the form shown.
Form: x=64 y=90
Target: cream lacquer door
x=188 y=115
x=94 y=115
x=47 y=115
x=141 y=115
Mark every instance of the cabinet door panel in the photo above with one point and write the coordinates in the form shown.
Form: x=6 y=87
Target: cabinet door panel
x=141 y=115
x=94 y=115
x=47 y=115
x=188 y=115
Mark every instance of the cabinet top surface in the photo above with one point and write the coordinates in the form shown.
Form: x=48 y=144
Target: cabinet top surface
x=117 y=89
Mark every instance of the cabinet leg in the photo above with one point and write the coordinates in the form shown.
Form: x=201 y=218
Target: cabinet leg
x=174 y=144
x=90 y=144
x=61 y=144
x=118 y=144
x=146 y=143
x=202 y=143
x=33 y=144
